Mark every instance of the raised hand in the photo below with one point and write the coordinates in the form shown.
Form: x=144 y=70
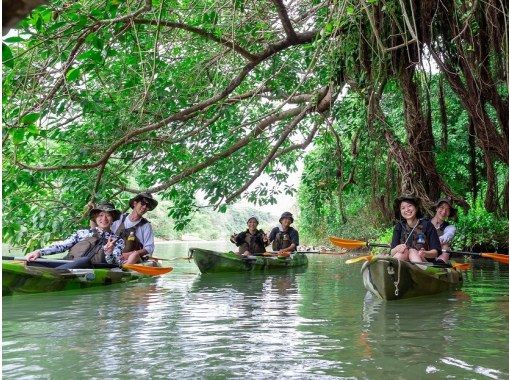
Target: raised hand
x=108 y=247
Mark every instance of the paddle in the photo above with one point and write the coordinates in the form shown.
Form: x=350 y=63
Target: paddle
x=358 y=259
x=494 y=256
x=356 y=244
x=149 y=271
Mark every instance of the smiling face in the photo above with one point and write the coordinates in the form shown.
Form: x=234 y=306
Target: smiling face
x=286 y=222
x=140 y=207
x=408 y=210
x=104 y=220
x=443 y=211
x=252 y=224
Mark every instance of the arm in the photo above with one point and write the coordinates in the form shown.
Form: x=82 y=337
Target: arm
x=449 y=233
x=272 y=234
x=146 y=237
x=294 y=238
x=113 y=250
x=396 y=247
x=55 y=248
x=240 y=238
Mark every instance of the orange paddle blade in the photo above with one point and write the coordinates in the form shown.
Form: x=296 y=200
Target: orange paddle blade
x=496 y=256
x=358 y=259
x=149 y=271
x=346 y=243
x=461 y=266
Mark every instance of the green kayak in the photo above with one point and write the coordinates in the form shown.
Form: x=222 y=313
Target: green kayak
x=392 y=279
x=39 y=276
x=215 y=262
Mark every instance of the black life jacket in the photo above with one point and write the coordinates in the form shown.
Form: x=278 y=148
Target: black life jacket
x=253 y=243
x=442 y=227
x=282 y=240
x=418 y=240
x=129 y=234
x=91 y=246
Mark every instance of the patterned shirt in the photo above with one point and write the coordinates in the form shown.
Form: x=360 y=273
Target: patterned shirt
x=114 y=257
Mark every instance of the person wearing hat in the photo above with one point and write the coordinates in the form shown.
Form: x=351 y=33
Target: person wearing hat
x=96 y=245
x=284 y=238
x=444 y=211
x=252 y=241
x=414 y=237
x=136 y=230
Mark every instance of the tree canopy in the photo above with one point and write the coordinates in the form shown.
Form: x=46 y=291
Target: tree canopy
x=179 y=97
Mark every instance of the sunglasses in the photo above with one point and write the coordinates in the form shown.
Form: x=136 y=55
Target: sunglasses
x=145 y=203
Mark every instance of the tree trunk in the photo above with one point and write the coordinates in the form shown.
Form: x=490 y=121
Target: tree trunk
x=472 y=161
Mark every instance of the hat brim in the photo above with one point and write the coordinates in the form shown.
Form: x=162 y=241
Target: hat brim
x=152 y=202
x=287 y=217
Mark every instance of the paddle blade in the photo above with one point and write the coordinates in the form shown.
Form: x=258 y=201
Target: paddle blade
x=461 y=266
x=149 y=271
x=347 y=244
x=496 y=256
x=358 y=259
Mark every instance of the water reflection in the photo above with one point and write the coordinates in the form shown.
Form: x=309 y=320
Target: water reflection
x=431 y=335
x=312 y=323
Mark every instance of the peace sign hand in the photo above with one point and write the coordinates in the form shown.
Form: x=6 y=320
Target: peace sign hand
x=108 y=247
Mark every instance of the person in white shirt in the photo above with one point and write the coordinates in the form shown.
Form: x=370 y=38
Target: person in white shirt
x=136 y=230
x=445 y=230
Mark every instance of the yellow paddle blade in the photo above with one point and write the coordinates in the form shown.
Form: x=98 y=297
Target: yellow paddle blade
x=358 y=259
x=348 y=244
x=496 y=256
x=149 y=271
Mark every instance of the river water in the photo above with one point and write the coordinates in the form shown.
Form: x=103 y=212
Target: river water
x=316 y=323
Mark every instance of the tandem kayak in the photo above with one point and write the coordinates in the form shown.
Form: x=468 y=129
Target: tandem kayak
x=391 y=279
x=40 y=276
x=216 y=262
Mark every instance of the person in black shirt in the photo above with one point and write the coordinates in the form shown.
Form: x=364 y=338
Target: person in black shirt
x=284 y=238
x=252 y=241
x=414 y=238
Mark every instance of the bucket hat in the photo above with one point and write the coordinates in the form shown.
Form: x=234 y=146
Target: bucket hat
x=148 y=197
x=286 y=214
x=448 y=201
x=106 y=207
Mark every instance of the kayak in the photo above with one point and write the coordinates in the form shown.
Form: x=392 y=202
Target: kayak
x=40 y=276
x=216 y=262
x=391 y=279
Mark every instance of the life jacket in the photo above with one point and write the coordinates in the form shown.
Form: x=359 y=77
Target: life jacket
x=253 y=243
x=91 y=246
x=129 y=234
x=442 y=227
x=282 y=240
x=418 y=240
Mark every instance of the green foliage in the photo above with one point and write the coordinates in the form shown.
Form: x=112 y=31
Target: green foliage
x=478 y=228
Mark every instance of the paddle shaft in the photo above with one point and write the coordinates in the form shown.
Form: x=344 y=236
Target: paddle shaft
x=466 y=253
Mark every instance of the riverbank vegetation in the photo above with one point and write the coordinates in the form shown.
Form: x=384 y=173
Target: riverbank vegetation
x=179 y=98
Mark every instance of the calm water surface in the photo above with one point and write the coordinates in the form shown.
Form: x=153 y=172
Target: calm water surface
x=316 y=323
